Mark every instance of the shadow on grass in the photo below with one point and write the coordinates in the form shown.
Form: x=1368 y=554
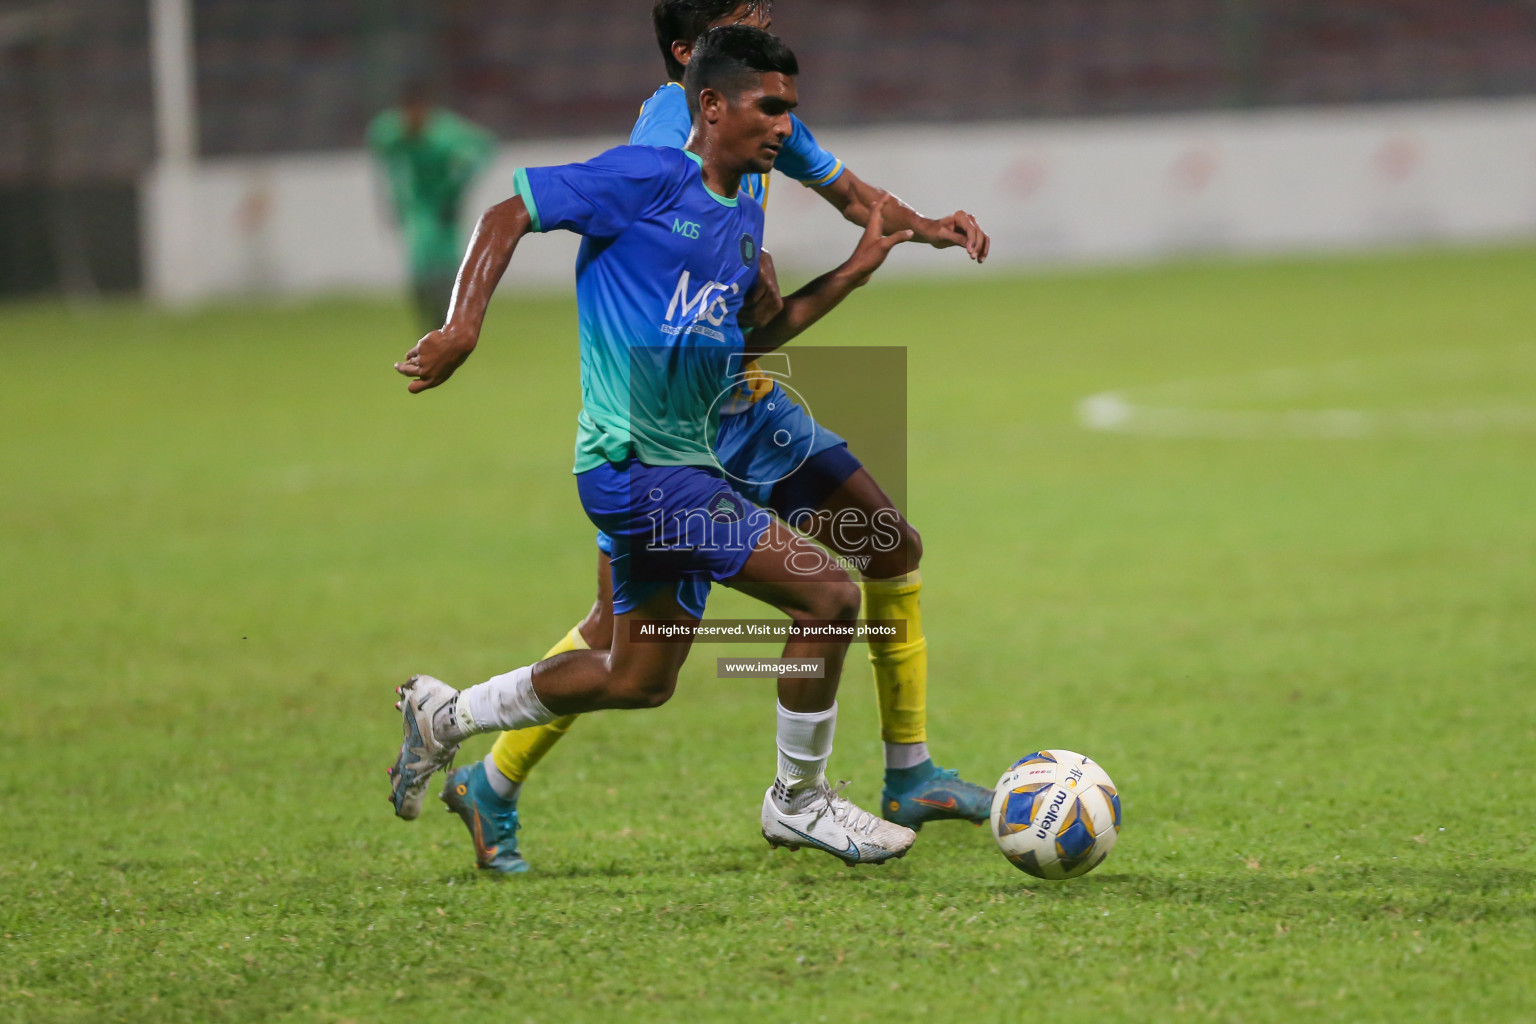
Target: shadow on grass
x=806 y=867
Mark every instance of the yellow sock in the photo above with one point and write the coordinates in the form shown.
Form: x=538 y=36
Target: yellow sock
x=901 y=669
x=516 y=752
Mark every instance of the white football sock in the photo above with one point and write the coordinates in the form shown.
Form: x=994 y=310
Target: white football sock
x=501 y=702
x=905 y=755
x=504 y=787
x=805 y=743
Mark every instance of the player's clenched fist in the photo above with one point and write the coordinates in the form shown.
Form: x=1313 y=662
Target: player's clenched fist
x=434 y=358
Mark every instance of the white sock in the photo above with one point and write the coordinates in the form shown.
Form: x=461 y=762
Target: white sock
x=905 y=755
x=504 y=787
x=804 y=743
x=501 y=702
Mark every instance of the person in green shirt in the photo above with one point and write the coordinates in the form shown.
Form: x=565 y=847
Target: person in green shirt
x=430 y=156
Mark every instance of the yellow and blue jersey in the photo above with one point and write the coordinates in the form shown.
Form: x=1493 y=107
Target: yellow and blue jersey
x=664 y=267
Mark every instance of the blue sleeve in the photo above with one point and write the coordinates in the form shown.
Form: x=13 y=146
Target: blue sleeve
x=803 y=159
x=664 y=119
x=599 y=198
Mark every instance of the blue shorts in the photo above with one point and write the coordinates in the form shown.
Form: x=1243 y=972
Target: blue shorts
x=777 y=456
x=682 y=527
x=768 y=443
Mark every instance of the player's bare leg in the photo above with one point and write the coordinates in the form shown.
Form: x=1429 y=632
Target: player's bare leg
x=801 y=808
x=916 y=790
x=483 y=795
x=486 y=795
x=597 y=628
x=438 y=717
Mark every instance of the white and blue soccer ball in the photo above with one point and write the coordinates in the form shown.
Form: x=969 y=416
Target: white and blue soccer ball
x=1055 y=814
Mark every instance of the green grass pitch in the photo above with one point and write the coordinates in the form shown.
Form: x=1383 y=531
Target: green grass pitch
x=1308 y=664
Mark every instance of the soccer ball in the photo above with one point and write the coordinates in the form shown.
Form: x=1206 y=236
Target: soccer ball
x=1055 y=814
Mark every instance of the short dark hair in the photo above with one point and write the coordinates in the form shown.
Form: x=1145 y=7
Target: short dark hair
x=686 y=20
x=731 y=57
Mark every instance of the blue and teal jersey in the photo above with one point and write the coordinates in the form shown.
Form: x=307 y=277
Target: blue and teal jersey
x=665 y=121
x=665 y=265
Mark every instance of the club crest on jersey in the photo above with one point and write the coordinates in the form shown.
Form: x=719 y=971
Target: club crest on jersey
x=748 y=249
x=725 y=508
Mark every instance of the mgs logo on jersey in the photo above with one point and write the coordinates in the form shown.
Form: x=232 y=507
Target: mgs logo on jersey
x=748 y=249
x=707 y=304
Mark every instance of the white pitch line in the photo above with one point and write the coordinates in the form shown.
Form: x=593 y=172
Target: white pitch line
x=1172 y=409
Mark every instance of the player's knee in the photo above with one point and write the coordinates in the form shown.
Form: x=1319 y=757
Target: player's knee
x=899 y=556
x=849 y=598
x=640 y=690
x=837 y=601
x=912 y=545
x=654 y=693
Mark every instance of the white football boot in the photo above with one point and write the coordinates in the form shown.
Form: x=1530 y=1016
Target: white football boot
x=421 y=753
x=833 y=823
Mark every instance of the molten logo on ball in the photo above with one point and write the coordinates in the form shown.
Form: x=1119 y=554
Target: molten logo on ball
x=1055 y=814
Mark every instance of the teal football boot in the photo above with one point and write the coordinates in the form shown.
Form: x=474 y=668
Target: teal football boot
x=927 y=792
x=491 y=820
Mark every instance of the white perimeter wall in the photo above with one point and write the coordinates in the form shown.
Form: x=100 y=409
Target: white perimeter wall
x=1112 y=190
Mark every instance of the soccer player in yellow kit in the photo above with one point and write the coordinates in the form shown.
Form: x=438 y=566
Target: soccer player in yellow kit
x=806 y=482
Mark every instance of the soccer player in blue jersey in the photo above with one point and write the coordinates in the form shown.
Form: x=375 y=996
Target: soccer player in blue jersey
x=670 y=252
x=814 y=474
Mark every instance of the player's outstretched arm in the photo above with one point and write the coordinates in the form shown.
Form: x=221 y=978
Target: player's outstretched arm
x=444 y=350
x=816 y=300
x=854 y=198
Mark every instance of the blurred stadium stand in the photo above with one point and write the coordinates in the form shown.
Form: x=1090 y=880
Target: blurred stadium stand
x=299 y=75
